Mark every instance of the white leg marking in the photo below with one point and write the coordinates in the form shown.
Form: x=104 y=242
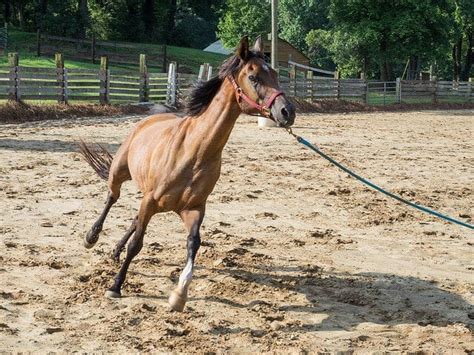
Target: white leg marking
x=186 y=276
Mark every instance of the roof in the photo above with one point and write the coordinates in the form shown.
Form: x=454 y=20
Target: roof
x=267 y=43
x=217 y=47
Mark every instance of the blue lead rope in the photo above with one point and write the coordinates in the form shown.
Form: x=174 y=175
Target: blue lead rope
x=378 y=188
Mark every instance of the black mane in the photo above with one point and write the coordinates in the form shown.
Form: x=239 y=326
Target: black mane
x=204 y=91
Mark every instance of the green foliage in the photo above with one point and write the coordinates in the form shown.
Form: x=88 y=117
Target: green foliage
x=243 y=17
x=193 y=31
x=377 y=36
x=463 y=39
x=372 y=36
x=318 y=42
x=299 y=17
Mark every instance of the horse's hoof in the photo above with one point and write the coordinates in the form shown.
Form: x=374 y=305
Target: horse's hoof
x=88 y=245
x=177 y=301
x=112 y=294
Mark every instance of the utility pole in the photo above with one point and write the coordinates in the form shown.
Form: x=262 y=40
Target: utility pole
x=274 y=34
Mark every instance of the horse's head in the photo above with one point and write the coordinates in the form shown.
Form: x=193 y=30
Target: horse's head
x=257 y=88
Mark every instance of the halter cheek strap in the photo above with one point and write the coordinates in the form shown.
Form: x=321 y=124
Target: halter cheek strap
x=263 y=109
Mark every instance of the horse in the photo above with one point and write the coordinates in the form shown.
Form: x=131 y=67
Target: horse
x=176 y=161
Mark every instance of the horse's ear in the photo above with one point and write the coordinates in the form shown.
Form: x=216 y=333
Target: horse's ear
x=243 y=48
x=258 y=46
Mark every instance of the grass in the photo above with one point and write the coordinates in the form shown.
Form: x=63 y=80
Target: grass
x=25 y=44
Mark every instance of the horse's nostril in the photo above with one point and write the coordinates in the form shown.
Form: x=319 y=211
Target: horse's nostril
x=284 y=112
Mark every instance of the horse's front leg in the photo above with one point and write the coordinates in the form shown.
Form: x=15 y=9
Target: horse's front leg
x=192 y=220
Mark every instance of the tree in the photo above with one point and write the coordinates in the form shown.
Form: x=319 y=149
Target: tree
x=149 y=18
x=463 y=35
x=299 y=17
x=243 y=17
x=318 y=41
x=377 y=37
x=82 y=18
x=196 y=22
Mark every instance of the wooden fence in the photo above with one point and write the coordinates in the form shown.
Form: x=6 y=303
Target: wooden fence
x=92 y=49
x=307 y=83
x=86 y=85
x=106 y=86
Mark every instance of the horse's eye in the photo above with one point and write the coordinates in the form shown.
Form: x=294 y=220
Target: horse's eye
x=252 y=78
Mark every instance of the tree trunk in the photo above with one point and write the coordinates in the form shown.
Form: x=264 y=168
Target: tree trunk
x=20 y=8
x=385 y=71
x=6 y=12
x=468 y=58
x=414 y=68
x=149 y=18
x=457 y=50
x=171 y=19
x=83 y=16
x=41 y=10
x=365 y=66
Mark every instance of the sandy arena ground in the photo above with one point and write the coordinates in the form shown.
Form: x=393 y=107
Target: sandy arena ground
x=296 y=255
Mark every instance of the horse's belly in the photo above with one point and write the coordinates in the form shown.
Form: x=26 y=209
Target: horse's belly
x=185 y=193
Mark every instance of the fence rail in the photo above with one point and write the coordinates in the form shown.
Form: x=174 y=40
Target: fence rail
x=97 y=85
x=122 y=53
x=106 y=86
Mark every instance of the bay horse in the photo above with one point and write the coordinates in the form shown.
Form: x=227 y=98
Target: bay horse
x=176 y=161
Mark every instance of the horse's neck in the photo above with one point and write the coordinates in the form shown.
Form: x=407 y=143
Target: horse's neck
x=216 y=123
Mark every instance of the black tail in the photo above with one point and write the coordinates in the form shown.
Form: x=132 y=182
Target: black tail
x=100 y=159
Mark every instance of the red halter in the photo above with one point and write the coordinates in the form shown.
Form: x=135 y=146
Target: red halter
x=263 y=109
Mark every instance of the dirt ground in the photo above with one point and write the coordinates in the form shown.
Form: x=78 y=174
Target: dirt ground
x=296 y=256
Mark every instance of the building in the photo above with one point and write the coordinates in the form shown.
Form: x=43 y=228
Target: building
x=286 y=52
x=217 y=47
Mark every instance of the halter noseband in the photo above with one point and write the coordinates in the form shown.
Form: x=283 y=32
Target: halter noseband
x=263 y=109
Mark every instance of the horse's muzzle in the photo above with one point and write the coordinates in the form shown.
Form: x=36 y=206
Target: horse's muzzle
x=284 y=112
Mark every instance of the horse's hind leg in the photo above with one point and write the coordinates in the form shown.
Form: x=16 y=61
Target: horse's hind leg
x=147 y=210
x=192 y=220
x=118 y=174
x=121 y=244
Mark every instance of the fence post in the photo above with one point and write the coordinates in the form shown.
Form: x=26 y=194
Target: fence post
x=366 y=91
x=293 y=78
x=38 y=43
x=165 y=61
x=61 y=78
x=398 y=90
x=337 y=76
x=104 y=76
x=209 y=72
x=309 y=77
x=13 y=63
x=171 y=92
x=204 y=71
x=93 y=49
x=469 y=91
x=201 y=72
x=434 y=85
x=144 y=79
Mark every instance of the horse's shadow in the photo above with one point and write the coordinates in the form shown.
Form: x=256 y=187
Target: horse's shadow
x=342 y=301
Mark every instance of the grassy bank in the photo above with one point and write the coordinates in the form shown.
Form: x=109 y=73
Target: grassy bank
x=25 y=44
